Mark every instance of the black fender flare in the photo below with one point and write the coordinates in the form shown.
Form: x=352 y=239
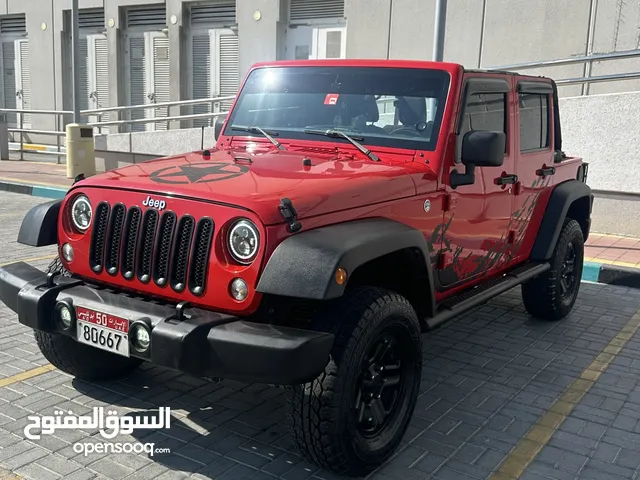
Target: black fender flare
x=40 y=225
x=304 y=265
x=560 y=202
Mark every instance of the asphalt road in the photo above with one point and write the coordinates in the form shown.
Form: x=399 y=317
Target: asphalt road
x=502 y=396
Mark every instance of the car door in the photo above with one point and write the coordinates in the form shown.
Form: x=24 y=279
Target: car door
x=534 y=164
x=477 y=216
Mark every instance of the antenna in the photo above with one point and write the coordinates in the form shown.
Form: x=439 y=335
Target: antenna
x=202 y=139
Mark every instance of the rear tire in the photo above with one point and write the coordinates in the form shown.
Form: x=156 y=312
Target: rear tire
x=81 y=361
x=551 y=295
x=353 y=416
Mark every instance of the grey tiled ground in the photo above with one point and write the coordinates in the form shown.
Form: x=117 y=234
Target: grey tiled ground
x=488 y=377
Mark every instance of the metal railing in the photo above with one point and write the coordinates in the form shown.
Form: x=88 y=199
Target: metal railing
x=587 y=60
x=214 y=102
x=22 y=132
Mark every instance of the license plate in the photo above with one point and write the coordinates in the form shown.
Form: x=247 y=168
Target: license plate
x=102 y=330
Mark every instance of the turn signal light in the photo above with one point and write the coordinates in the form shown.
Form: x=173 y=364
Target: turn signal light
x=341 y=276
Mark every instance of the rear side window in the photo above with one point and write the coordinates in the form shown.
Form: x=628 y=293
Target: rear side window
x=534 y=121
x=485 y=111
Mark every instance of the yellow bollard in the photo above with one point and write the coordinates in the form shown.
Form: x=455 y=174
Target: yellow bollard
x=81 y=156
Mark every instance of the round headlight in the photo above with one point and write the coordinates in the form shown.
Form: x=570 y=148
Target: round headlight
x=243 y=241
x=81 y=213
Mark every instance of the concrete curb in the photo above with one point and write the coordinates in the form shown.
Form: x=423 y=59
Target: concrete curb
x=34 y=190
x=611 y=274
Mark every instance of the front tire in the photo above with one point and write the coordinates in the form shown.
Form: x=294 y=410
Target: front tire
x=81 y=361
x=551 y=296
x=353 y=416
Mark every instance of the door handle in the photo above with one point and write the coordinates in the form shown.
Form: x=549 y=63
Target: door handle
x=545 y=171
x=505 y=179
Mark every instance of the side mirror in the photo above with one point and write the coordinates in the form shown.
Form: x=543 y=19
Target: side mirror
x=480 y=148
x=217 y=126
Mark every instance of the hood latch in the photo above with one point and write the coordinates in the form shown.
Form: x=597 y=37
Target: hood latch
x=289 y=213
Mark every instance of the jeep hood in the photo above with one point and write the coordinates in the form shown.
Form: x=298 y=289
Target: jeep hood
x=258 y=181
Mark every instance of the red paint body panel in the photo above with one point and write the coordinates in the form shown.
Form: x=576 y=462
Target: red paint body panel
x=222 y=270
x=328 y=185
x=247 y=176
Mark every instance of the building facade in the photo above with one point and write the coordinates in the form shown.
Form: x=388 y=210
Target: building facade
x=136 y=52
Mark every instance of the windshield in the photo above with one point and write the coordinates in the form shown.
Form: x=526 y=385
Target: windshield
x=390 y=107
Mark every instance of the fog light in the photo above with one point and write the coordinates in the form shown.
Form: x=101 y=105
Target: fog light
x=239 y=289
x=141 y=338
x=67 y=252
x=65 y=315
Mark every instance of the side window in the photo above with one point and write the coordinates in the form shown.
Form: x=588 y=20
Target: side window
x=534 y=121
x=386 y=112
x=485 y=111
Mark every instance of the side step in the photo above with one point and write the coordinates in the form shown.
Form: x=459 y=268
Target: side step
x=485 y=292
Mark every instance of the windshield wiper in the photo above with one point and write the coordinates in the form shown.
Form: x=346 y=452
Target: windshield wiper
x=351 y=140
x=268 y=135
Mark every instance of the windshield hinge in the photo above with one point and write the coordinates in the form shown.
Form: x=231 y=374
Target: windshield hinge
x=289 y=213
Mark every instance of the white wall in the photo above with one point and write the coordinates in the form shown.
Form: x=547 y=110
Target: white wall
x=605 y=131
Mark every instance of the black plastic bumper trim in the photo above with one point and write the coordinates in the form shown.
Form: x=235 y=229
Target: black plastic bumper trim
x=204 y=343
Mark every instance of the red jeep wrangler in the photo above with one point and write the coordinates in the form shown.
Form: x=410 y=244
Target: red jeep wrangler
x=348 y=206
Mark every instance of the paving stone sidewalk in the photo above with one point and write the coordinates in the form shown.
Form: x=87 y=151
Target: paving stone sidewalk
x=488 y=378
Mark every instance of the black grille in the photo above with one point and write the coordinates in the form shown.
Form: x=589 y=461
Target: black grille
x=163 y=248
x=96 y=259
x=131 y=229
x=148 y=245
x=114 y=238
x=180 y=254
x=200 y=256
x=147 y=235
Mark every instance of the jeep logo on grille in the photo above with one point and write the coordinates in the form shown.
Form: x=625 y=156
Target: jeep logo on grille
x=150 y=202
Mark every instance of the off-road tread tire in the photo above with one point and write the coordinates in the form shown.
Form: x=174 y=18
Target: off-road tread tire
x=540 y=295
x=314 y=415
x=81 y=361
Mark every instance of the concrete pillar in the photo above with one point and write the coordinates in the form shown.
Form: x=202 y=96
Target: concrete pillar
x=259 y=40
x=117 y=95
x=177 y=47
x=4 y=138
x=42 y=38
x=368 y=26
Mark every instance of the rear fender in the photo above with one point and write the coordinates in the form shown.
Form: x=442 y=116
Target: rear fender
x=571 y=198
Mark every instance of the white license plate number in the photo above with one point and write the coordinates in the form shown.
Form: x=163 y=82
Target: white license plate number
x=103 y=338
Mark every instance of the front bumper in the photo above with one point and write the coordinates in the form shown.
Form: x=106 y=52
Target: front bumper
x=198 y=342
